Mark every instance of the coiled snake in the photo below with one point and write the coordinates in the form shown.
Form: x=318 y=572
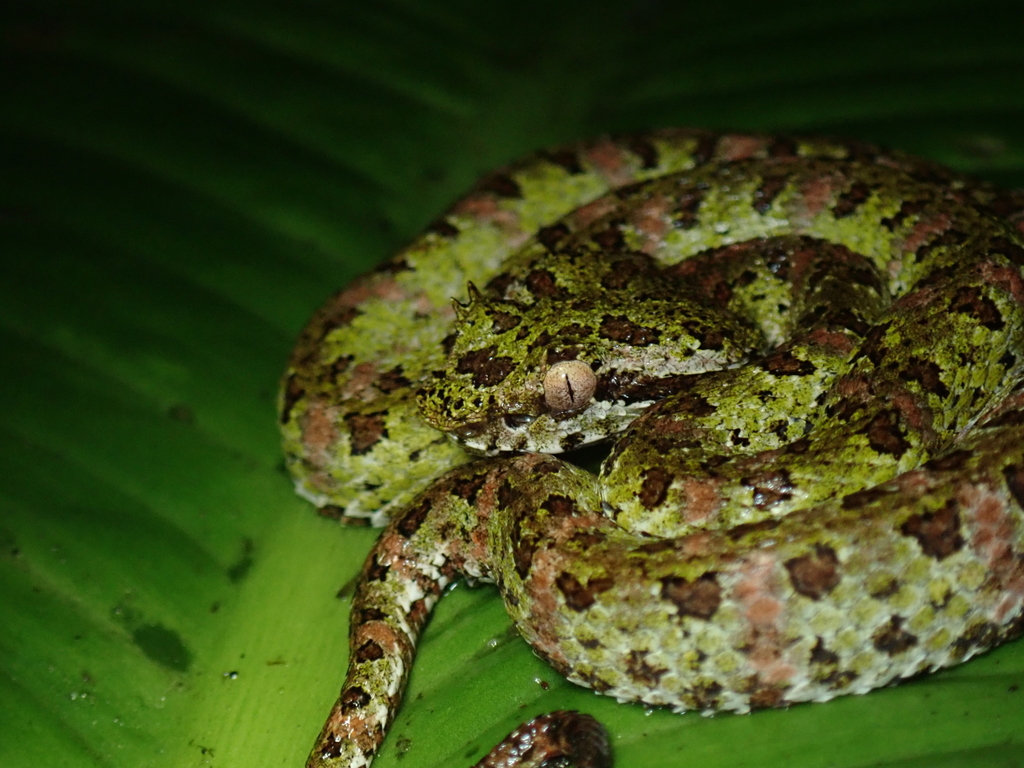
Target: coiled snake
x=810 y=355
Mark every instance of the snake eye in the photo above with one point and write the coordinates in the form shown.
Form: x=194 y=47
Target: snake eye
x=569 y=385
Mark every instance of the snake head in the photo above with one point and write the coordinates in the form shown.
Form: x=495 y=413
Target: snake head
x=564 y=372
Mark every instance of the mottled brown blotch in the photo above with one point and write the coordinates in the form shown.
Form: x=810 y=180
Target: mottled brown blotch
x=705 y=695
x=851 y=200
x=827 y=669
x=646 y=151
x=369 y=651
x=566 y=159
x=886 y=588
x=622 y=271
x=980 y=636
x=376 y=570
x=644 y=673
x=560 y=505
x=610 y=239
x=392 y=380
x=815 y=575
x=937 y=532
x=523 y=549
x=577 y=596
x=867 y=496
x=907 y=209
x=770 y=488
x=768 y=697
x=502 y=185
x=507 y=494
x=766 y=193
x=784 y=363
x=353 y=699
x=927 y=374
x=365 y=615
x=822 y=655
x=504 y=321
x=366 y=431
x=552 y=235
x=884 y=435
x=487 y=370
x=443 y=228
x=699 y=598
x=467 y=488
x=654 y=487
x=293 y=392
x=1010 y=250
x=541 y=284
x=413 y=518
x=687 y=210
x=737 y=532
x=892 y=639
x=782 y=146
x=623 y=330
x=954 y=461
x=971 y=301
x=336 y=369
x=1014 y=474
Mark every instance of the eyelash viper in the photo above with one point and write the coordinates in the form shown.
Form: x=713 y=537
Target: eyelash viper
x=833 y=503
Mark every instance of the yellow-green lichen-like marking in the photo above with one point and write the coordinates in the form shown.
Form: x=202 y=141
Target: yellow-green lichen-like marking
x=809 y=355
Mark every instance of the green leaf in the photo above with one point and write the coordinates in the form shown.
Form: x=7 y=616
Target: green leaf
x=181 y=184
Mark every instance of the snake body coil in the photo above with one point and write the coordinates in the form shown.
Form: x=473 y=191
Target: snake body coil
x=809 y=354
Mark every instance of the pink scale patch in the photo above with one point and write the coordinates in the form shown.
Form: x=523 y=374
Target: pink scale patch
x=915 y=483
x=763 y=611
x=732 y=147
x=757 y=592
x=543 y=617
x=840 y=342
x=922 y=297
x=487 y=210
x=371 y=287
x=424 y=308
x=586 y=215
x=701 y=499
x=651 y=220
x=924 y=230
x=322 y=482
x=699 y=544
x=611 y=162
x=566 y=527
x=994 y=528
x=359 y=384
x=818 y=192
x=1007 y=278
x=755 y=589
x=318 y=430
x=915 y=417
x=391 y=642
x=853 y=387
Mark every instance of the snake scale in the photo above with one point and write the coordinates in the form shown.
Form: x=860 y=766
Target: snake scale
x=809 y=354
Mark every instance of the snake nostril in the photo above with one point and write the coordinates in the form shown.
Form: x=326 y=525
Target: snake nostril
x=519 y=420
x=469 y=430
